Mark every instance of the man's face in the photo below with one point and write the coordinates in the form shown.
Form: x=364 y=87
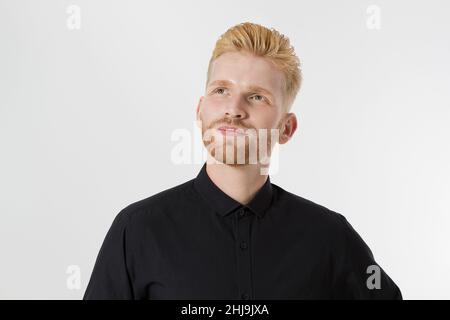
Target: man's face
x=245 y=92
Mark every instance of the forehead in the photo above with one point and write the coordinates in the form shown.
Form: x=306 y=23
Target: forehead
x=247 y=70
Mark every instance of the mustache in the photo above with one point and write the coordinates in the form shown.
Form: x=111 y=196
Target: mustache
x=229 y=122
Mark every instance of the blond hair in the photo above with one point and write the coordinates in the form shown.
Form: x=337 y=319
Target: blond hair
x=266 y=43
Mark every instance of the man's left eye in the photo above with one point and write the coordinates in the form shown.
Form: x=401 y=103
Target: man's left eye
x=262 y=97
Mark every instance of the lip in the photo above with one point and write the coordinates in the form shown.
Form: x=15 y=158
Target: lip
x=231 y=131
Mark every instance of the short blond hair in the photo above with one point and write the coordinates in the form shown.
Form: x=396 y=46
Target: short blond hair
x=266 y=43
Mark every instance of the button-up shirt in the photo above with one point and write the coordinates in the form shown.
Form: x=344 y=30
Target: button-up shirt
x=193 y=241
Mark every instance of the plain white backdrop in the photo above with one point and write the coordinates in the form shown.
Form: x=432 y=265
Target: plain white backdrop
x=91 y=92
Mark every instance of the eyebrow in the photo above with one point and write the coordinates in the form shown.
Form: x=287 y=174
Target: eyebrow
x=257 y=89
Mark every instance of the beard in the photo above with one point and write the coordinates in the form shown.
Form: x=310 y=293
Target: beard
x=253 y=147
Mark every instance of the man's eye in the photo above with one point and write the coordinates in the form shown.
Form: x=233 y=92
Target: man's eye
x=262 y=98
x=218 y=89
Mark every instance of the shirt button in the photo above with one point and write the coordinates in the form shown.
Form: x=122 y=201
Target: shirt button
x=245 y=296
x=243 y=245
x=242 y=212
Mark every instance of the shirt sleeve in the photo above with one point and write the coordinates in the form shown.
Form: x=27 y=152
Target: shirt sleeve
x=110 y=278
x=356 y=274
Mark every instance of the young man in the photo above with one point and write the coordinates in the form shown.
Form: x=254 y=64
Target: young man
x=230 y=233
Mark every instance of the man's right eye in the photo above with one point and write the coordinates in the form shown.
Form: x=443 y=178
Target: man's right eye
x=218 y=90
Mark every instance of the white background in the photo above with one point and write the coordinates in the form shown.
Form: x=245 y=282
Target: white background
x=86 y=118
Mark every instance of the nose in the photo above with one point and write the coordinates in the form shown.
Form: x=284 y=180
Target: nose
x=233 y=115
x=234 y=109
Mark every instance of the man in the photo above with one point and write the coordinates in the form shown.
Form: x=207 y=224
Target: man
x=230 y=233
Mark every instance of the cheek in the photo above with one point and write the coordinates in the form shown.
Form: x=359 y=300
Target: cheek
x=267 y=121
x=207 y=117
x=210 y=111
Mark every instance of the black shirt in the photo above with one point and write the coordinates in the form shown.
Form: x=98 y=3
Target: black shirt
x=193 y=241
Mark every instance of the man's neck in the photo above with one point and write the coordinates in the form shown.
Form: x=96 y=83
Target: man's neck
x=240 y=182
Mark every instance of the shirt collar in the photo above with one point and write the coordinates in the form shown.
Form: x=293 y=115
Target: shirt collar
x=223 y=203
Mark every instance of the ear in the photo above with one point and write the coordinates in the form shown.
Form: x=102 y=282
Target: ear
x=198 y=110
x=288 y=129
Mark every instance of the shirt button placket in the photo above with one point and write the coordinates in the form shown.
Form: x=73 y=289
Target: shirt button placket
x=243 y=255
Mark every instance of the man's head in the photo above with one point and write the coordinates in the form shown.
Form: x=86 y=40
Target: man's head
x=252 y=81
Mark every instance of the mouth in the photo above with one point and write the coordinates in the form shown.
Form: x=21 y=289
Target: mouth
x=231 y=131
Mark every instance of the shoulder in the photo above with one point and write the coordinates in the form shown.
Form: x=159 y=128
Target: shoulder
x=171 y=198
x=321 y=224
x=322 y=221
x=307 y=210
